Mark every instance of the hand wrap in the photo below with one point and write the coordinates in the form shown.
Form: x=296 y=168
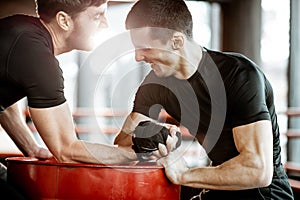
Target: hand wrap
x=147 y=136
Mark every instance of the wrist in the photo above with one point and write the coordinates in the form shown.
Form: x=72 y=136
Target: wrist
x=32 y=150
x=183 y=178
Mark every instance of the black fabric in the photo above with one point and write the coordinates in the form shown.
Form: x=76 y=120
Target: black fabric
x=28 y=67
x=249 y=98
x=147 y=136
x=8 y=192
x=187 y=193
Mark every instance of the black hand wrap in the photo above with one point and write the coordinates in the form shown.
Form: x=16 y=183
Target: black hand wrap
x=147 y=136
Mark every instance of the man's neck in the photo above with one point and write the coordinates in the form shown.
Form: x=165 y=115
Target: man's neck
x=191 y=57
x=57 y=38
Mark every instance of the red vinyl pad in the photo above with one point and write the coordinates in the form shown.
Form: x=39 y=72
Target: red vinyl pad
x=49 y=179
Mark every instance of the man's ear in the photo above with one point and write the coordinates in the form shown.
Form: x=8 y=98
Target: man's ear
x=63 y=20
x=177 y=40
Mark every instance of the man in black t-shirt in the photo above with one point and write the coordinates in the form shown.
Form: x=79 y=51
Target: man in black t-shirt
x=224 y=100
x=28 y=68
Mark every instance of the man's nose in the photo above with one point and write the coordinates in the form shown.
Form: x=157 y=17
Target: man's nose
x=139 y=56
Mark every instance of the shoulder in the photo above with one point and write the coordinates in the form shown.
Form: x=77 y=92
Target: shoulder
x=19 y=23
x=232 y=58
x=22 y=28
x=235 y=66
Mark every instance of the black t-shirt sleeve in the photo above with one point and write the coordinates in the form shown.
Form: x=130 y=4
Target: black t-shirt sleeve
x=247 y=98
x=34 y=67
x=150 y=97
x=147 y=101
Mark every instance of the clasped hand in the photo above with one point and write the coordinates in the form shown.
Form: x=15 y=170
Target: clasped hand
x=171 y=158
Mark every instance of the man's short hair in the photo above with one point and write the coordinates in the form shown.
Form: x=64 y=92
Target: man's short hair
x=47 y=9
x=169 y=14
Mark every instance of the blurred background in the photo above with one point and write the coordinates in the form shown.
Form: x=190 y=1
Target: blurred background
x=266 y=31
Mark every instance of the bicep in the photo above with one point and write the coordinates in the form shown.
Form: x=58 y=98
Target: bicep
x=56 y=128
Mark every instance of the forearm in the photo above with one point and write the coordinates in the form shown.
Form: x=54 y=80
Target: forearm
x=235 y=174
x=251 y=168
x=84 y=151
x=56 y=128
x=12 y=122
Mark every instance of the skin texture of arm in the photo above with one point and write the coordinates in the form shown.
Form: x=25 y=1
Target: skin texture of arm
x=252 y=168
x=12 y=122
x=56 y=127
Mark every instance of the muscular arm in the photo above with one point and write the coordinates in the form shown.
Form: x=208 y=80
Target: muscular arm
x=12 y=122
x=250 y=169
x=55 y=125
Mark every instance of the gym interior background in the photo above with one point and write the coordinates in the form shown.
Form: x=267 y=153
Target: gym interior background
x=267 y=31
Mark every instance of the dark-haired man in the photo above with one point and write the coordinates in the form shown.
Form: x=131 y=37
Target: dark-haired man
x=28 y=68
x=224 y=99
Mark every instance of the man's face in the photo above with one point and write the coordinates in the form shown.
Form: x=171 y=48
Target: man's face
x=86 y=25
x=161 y=57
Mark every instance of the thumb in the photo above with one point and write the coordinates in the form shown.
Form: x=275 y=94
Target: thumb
x=162 y=149
x=161 y=162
